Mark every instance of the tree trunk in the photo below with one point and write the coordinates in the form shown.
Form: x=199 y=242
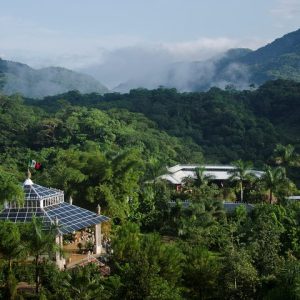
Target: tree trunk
x=10 y=264
x=242 y=192
x=37 y=274
x=270 y=196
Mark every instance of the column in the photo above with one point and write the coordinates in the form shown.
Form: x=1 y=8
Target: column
x=98 y=242
x=60 y=261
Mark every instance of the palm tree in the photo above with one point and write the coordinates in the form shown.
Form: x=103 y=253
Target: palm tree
x=201 y=178
x=273 y=179
x=286 y=156
x=39 y=242
x=241 y=173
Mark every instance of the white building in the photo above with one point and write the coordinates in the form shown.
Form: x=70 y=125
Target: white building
x=217 y=173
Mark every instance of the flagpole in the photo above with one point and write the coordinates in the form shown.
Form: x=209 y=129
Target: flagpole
x=28 y=173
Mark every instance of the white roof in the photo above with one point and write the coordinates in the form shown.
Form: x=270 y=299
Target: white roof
x=217 y=172
x=294 y=197
x=177 y=178
x=206 y=167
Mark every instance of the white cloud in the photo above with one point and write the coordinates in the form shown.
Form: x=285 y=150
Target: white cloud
x=38 y=46
x=204 y=48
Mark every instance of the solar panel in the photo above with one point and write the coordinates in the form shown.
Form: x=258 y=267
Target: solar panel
x=25 y=215
x=70 y=217
x=37 y=192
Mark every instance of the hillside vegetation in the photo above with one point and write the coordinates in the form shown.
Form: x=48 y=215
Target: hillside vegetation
x=20 y=78
x=226 y=124
x=109 y=150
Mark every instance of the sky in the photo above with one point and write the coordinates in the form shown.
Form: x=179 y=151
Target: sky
x=83 y=35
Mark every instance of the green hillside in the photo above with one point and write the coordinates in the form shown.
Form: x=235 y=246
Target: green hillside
x=277 y=60
x=20 y=78
x=227 y=124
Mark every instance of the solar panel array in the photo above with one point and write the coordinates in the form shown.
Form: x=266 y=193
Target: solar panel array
x=25 y=214
x=70 y=217
x=36 y=191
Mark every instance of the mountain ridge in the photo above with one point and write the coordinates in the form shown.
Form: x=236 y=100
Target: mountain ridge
x=237 y=67
x=20 y=78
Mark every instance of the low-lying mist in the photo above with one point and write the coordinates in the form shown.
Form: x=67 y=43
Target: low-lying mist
x=134 y=67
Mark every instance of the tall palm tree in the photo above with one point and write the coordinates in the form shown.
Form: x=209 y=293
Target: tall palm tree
x=201 y=177
x=241 y=174
x=273 y=179
x=200 y=180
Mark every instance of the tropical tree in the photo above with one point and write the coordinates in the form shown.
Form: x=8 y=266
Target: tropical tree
x=126 y=242
x=10 y=189
x=144 y=263
x=264 y=239
x=85 y=283
x=274 y=179
x=239 y=277
x=39 y=242
x=154 y=205
x=11 y=249
x=286 y=156
x=241 y=174
x=10 y=242
x=201 y=178
x=287 y=282
x=154 y=169
x=201 y=272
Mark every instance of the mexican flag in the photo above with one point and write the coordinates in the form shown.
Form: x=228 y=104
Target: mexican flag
x=31 y=163
x=35 y=165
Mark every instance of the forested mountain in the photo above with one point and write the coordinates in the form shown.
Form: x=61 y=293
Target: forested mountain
x=20 y=78
x=237 y=67
x=288 y=44
x=27 y=131
x=227 y=124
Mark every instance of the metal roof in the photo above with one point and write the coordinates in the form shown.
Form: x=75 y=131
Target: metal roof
x=178 y=173
x=37 y=192
x=70 y=217
x=195 y=166
x=293 y=198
